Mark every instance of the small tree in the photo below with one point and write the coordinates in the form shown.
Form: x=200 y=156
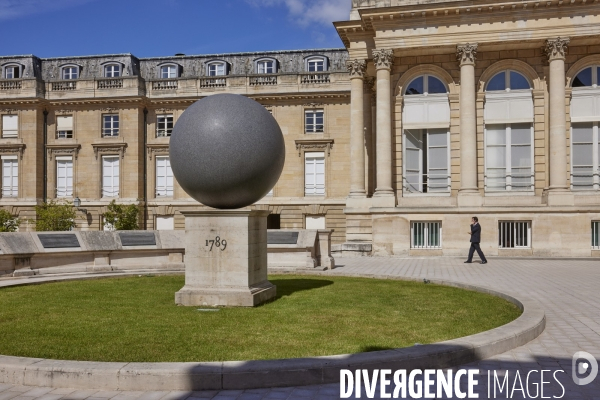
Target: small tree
x=55 y=216
x=122 y=217
x=8 y=222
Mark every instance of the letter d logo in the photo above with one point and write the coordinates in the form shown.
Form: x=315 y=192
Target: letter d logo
x=583 y=367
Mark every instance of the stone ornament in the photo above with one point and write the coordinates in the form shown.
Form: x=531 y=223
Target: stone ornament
x=369 y=84
x=383 y=58
x=356 y=68
x=466 y=53
x=556 y=48
x=227 y=151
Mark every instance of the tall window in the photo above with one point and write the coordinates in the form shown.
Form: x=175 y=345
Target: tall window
x=164 y=177
x=315 y=65
x=10 y=126
x=12 y=72
x=64 y=176
x=64 y=126
x=10 y=176
x=427 y=160
x=216 y=69
x=585 y=169
x=70 y=72
x=425 y=84
x=508 y=80
x=265 y=67
x=110 y=176
x=314 y=121
x=164 y=125
x=314 y=174
x=595 y=235
x=110 y=125
x=426 y=235
x=509 y=157
x=514 y=234
x=168 y=71
x=112 y=71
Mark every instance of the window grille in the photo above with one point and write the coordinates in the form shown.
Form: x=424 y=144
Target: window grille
x=595 y=235
x=110 y=125
x=426 y=235
x=164 y=125
x=70 y=73
x=514 y=234
x=168 y=71
x=314 y=121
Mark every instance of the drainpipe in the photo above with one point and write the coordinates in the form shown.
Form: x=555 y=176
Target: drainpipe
x=45 y=188
x=145 y=169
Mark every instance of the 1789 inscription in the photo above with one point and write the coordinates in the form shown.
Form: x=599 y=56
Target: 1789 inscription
x=218 y=243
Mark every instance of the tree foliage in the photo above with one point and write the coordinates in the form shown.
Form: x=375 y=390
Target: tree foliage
x=8 y=222
x=122 y=217
x=55 y=216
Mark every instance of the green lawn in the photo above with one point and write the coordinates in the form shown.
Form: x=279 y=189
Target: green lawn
x=136 y=319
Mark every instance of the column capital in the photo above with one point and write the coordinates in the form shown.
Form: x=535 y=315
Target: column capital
x=466 y=53
x=383 y=58
x=356 y=68
x=556 y=49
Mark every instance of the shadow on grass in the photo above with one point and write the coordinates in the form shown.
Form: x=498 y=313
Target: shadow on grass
x=366 y=349
x=287 y=287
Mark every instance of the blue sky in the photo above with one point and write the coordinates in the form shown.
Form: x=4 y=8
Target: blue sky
x=148 y=28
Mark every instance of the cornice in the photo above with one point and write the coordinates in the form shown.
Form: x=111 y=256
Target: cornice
x=314 y=144
x=109 y=147
x=67 y=148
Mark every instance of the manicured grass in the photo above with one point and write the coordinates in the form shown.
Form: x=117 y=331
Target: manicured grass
x=136 y=319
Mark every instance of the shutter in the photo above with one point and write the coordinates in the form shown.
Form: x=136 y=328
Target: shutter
x=169 y=176
x=413 y=172
x=583 y=156
x=10 y=125
x=520 y=157
x=110 y=177
x=320 y=176
x=64 y=123
x=10 y=177
x=496 y=157
x=161 y=176
x=437 y=158
x=309 y=176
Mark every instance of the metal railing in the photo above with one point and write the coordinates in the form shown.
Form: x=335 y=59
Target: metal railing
x=585 y=181
x=431 y=187
x=426 y=235
x=508 y=182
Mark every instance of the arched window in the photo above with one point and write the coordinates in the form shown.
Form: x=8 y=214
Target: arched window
x=70 y=72
x=266 y=66
x=508 y=134
x=168 y=71
x=217 y=68
x=112 y=70
x=425 y=84
x=12 y=71
x=587 y=77
x=316 y=64
x=508 y=80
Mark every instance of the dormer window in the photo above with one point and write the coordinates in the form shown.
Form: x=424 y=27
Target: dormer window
x=265 y=67
x=12 y=72
x=316 y=64
x=216 y=69
x=112 y=71
x=70 y=72
x=168 y=71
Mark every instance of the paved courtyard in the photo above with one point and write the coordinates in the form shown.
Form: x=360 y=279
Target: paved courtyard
x=569 y=290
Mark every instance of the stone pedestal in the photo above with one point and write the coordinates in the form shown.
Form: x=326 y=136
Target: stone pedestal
x=225 y=259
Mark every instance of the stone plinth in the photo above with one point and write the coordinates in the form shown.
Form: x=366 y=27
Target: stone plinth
x=225 y=259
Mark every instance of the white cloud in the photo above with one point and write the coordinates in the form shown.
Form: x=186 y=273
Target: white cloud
x=10 y=9
x=307 y=12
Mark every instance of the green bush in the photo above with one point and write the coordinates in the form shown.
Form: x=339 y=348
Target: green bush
x=8 y=222
x=55 y=216
x=122 y=217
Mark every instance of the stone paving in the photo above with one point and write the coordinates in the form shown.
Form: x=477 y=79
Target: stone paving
x=569 y=290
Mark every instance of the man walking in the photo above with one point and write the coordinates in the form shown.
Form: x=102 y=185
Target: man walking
x=475 y=239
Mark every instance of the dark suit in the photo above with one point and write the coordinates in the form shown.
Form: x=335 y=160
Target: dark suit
x=475 y=240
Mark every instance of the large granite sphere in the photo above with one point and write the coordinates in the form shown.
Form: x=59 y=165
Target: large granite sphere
x=227 y=151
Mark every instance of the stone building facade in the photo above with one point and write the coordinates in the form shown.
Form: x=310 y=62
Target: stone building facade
x=434 y=112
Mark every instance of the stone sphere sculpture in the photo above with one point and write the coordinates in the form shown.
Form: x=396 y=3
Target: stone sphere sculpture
x=227 y=151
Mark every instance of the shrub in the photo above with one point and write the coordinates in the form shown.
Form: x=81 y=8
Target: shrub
x=8 y=222
x=55 y=216
x=122 y=217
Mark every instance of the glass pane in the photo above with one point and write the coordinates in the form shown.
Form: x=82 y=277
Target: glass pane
x=582 y=178
x=496 y=157
x=495 y=134
x=436 y=86
x=518 y=81
x=497 y=82
x=583 y=154
x=583 y=133
x=416 y=86
x=413 y=139
x=597 y=76
x=520 y=134
x=438 y=157
x=584 y=78
x=412 y=160
x=438 y=137
x=520 y=156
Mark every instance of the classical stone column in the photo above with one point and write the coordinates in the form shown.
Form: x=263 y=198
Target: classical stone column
x=357 y=68
x=556 y=50
x=468 y=119
x=384 y=60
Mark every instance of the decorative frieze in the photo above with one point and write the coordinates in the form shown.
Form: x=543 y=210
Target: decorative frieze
x=8 y=111
x=314 y=144
x=383 y=58
x=109 y=148
x=466 y=53
x=156 y=148
x=556 y=48
x=12 y=148
x=356 y=68
x=55 y=150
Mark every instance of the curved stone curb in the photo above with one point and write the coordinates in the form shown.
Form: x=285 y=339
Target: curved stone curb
x=274 y=373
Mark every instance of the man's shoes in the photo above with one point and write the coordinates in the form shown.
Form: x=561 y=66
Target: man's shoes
x=484 y=262
x=468 y=262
